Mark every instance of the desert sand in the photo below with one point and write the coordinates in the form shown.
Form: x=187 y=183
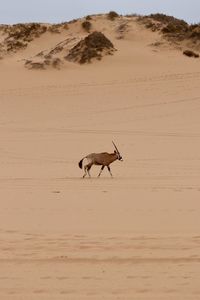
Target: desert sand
x=133 y=236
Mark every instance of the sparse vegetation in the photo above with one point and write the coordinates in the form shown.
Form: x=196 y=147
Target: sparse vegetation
x=55 y=28
x=56 y=50
x=65 y=26
x=195 y=31
x=168 y=25
x=87 y=25
x=178 y=31
x=112 y=15
x=164 y=19
x=56 y=63
x=15 y=45
x=51 y=58
x=25 y=31
x=3 y=28
x=122 y=29
x=34 y=65
x=43 y=65
x=93 y=46
x=173 y=29
x=19 y=35
x=48 y=56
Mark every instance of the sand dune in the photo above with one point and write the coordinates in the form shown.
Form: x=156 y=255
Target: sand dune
x=134 y=236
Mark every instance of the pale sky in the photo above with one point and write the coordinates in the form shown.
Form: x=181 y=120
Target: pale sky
x=55 y=11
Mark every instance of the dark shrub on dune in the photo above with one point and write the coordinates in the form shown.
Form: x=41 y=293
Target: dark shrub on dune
x=167 y=19
x=93 y=46
x=195 y=31
x=191 y=53
x=87 y=25
x=88 y=18
x=169 y=26
x=175 y=30
x=112 y=15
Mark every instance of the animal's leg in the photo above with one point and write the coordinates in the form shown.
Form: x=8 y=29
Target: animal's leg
x=101 y=171
x=88 y=169
x=109 y=170
x=85 y=169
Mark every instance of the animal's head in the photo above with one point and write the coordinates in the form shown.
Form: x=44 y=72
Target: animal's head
x=116 y=151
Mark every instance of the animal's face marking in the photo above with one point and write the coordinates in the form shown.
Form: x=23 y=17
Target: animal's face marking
x=119 y=157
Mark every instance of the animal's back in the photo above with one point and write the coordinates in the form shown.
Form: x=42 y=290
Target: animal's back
x=102 y=158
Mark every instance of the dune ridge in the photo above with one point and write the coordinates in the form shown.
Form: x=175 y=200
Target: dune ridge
x=18 y=37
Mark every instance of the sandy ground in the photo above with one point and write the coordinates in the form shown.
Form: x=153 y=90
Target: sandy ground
x=134 y=236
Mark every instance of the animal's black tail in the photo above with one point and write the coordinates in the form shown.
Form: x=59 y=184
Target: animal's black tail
x=81 y=163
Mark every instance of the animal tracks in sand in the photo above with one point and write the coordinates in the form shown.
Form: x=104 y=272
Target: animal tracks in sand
x=74 y=89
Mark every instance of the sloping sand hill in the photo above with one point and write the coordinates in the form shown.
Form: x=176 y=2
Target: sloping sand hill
x=134 y=236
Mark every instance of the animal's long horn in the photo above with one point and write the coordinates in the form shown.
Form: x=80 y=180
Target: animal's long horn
x=115 y=146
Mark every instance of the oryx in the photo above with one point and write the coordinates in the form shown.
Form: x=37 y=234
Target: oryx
x=103 y=159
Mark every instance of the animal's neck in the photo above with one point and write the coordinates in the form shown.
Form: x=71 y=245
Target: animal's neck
x=114 y=156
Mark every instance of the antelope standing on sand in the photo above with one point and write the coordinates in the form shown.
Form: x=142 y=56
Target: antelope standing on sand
x=103 y=159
